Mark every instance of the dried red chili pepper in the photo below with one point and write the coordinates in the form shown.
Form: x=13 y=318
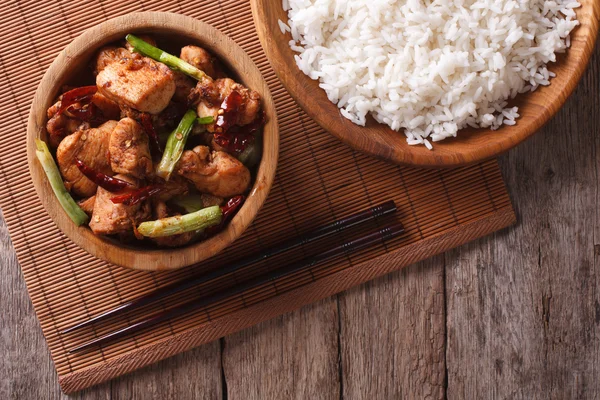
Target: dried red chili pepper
x=104 y=181
x=229 y=209
x=146 y=120
x=234 y=142
x=229 y=112
x=138 y=195
x=77 y=95
x=238 y=138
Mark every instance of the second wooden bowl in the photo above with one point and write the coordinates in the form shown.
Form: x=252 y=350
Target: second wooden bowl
x=471 y=145
x=75 y=58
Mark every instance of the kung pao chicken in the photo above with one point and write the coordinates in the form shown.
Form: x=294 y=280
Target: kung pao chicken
x=160 y=149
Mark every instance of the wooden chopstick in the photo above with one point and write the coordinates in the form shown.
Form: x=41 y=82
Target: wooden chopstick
x=378 y=211
x=346 y=248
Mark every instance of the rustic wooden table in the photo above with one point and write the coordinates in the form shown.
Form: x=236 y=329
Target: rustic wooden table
x=513 y=315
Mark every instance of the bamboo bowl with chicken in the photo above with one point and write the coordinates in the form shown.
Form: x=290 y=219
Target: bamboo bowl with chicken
x=153 y=141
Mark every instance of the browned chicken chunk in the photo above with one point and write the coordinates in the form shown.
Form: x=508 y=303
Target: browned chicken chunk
x=183 y=87
x=208 y=95
x=87 y=205
x=59 y=126
x=91 y=147
x=129 y=150
x=142 y=84
x=108 y=108
x=175 y=186
x=217 y=172
x=160 y=210
x=199 y=58
x=108 y=55
x=109 y=218
x=167 y=119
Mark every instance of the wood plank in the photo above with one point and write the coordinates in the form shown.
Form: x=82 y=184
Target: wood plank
x=392 y=335
x=293 y=356
x=195 y=374
x=523 y=305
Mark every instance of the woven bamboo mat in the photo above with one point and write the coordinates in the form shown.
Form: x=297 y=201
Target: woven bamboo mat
x=318 y=180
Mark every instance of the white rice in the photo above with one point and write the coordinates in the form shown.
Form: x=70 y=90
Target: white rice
x=430 y=67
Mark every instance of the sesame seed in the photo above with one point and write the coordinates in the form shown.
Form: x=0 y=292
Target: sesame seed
x=128 y=143
x=83 y=137
x=179 y=136
x=97 y=218
x=220 y=112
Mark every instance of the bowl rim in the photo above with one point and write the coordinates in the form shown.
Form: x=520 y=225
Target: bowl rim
x=83 y=47
x=314 y=102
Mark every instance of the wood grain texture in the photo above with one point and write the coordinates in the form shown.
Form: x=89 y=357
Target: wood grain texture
x=192 y=375
x=398 y=323
x=294 y=356
x=74 y=61
x=471 y=145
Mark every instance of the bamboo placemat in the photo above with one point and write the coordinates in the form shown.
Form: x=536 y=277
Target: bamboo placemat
x=318 y=180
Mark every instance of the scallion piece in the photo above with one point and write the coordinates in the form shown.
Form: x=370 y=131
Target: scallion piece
x=175 y=145
x=205 y=120
x=52 y=173
x=176 y=63
x=193 y=222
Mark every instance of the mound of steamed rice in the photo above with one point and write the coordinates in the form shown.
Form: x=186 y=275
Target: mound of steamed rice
x=430 y=67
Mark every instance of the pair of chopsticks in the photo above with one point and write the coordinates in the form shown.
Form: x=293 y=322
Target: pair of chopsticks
x=381 y=235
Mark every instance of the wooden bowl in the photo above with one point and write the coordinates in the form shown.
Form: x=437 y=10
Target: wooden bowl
x=471 y=145
x=76 y=57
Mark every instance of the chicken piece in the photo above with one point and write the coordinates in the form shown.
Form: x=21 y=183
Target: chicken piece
x=108 y=108
x=128 y=112
x=109 y=218
x=207 y=138
x=208 y=95
x=142 y=84
x=166 y=120
x=183 y=87
x=51 y=112
x=129 y=150
x=59 y=126
x=146 y=38
x=110 y=54
x=176 y=186
x=217 y=172
x=199 y=58
x=91 y=147
x=87 y=205
x=160 y=210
